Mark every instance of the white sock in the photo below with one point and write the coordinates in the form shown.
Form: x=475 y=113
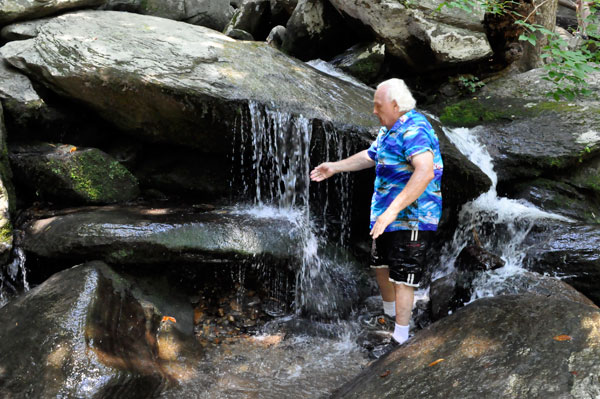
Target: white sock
x=400 y=333
x=389 y=308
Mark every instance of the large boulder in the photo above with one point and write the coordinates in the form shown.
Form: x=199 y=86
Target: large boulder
x=145 y=235
x=69 y=173
x=363 y=61
x=419 y=34
x=252 y=17
x=22 y=30
x=213 y=14
x=18 y=96
x=526 y=133
x=512 y=346
x=91 y=332
x=195 y=86
x=18 y=10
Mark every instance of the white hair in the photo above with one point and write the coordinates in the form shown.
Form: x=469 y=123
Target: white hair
x=396 y=90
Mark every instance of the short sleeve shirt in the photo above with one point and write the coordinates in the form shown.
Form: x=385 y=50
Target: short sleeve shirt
x=392 y=152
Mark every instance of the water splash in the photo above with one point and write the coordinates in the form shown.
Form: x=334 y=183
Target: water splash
x=274 y=155
x=500 y=223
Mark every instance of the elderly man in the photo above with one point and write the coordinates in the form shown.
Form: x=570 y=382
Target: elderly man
x=407 y=201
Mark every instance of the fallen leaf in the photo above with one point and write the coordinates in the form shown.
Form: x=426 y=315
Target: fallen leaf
x=562 y=338
x=387 y=372
x=169 y=318
x=574 y=372
x=436 y=362
x=73 y=149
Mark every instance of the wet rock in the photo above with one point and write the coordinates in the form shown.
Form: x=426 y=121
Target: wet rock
x=200 y=78
x=22 y=30
x=281 y=10
x=68 y=173
x=567 y=251
x=453 y=291
x=253 y=17
x=421 y=36
x=145 y=235
x=213 y=14
x=7 y=197
x=508 y=346
x=103 y=336
x=527 y=134
x=560 y=197
x=18 y=10
x=363 y=61
x=18 y=96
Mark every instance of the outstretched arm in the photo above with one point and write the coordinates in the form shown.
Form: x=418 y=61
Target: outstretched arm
x=416 y=185
x=353 y=163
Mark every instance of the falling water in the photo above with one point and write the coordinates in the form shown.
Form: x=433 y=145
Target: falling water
x=274 y=155
x=14 y=270
x=500 y=223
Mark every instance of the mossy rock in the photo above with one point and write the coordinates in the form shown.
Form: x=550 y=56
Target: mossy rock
x=65 y=172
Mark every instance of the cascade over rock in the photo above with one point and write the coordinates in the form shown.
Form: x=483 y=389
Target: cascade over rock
x=169 y=81
x=420 y=35
x=7 y=196
x=91 y=332
x=507 y=346
x=145 y=235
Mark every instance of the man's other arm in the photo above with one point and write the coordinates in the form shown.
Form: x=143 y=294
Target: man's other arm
x=353 y=163
x=423 y=174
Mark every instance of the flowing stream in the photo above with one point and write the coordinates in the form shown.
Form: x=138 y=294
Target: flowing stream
x=501 y=224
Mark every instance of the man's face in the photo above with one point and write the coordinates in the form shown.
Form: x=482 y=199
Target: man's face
x=387 y=111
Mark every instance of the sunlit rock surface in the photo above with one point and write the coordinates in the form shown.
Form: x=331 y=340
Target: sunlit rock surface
x=170 y=81
x=513 y=346
x=15 y=10
x=90 y=332
x=71 y=174
x=144 y=235
x=419 y=34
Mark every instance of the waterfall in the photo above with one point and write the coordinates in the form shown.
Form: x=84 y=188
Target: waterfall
x=501 y=223
x=10 y=277
x=273 y=152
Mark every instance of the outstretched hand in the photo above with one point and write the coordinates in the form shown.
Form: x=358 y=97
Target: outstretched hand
x=382 y=222
x=322 y=172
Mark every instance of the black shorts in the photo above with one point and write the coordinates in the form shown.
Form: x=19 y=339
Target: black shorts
x=404 y=252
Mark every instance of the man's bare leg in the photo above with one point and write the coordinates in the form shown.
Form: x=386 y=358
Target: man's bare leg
x=405 y=296
x=385 y=285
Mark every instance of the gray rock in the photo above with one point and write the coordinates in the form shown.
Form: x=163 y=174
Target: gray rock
x=213 y=14
x=142 y=235
x=450 y=35
x=102 y=334
x=18 y=10
x=306 y=29
x=282 y=9
x=68 y=173
x=239 y=34
x=503 y=347
x=22 y=30
x=18 y=96
x=568 y=251
x=276 y=36
x=252 y=16
x=363 y=61
x=193 y=85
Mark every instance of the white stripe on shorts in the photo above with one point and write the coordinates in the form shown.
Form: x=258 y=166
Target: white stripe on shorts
x=379 y=267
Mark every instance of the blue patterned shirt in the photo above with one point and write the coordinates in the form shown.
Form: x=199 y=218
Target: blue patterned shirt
x=392 y=151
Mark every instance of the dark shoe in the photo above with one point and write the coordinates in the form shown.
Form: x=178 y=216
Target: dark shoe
x=379 y=322
x=381 y=350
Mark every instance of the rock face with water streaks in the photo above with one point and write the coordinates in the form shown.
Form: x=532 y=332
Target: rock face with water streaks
x=7 y=196
x=143 y=235
x=70 y=174
x=418 y=34
x=16 y=10
x=90 y=332
x=169 y=81
x=513 y=346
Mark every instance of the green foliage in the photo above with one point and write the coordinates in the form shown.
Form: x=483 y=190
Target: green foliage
x=470 y=83
x=566 y=68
